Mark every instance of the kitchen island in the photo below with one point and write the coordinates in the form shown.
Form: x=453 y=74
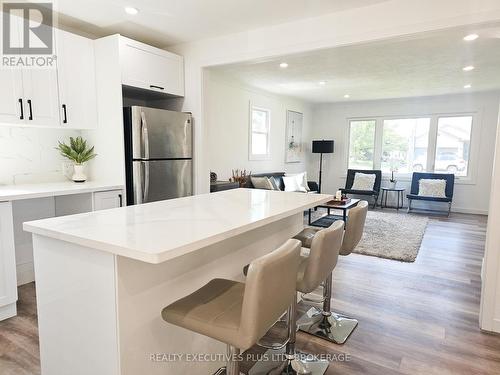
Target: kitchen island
x=104 y=277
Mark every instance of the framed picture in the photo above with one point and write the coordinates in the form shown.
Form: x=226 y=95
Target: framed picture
x=294 y=148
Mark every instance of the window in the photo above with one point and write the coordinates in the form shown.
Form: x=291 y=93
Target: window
x=362 y=144
x=405 y=145
x=259 y=133
x=453 y=144
x=428 y=143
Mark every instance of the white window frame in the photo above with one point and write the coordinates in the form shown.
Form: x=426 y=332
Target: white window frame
x=431 y=151
x=349 y=139
x=267 y=155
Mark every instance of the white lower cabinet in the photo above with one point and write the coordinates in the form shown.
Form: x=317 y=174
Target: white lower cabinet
x=8 y=285
x=104 y=200
x=16 y=245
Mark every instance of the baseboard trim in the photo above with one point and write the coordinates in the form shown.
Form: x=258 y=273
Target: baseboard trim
x=25 y=273
x=8 y=311
x=496 y=325
x=472 y=211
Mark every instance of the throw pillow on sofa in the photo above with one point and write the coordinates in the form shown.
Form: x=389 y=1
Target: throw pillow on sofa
x=275 y=183
x=363 y=181
x=292 y=184
x=261 y=183
x=301 y=180
x=432 y=188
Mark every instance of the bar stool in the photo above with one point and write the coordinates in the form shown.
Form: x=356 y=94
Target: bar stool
x=326 y=323
x=313 y=269
x=239 y=314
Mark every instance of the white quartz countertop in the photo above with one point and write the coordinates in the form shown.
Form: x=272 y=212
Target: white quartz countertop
x=27 y=191
x=159 y=231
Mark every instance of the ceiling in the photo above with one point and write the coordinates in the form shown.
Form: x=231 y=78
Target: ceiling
x=430 y=64
x=167 y=22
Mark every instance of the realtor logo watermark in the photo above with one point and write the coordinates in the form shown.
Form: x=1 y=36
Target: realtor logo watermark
x=27 y=35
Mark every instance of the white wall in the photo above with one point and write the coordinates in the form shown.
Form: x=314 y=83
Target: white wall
x=490 y=293
x=227 y=114
x=27 y=155
x=331 y=121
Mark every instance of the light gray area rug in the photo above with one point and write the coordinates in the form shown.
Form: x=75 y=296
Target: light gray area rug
x=391 y=235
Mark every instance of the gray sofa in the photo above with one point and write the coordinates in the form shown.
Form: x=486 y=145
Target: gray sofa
x=313 y=186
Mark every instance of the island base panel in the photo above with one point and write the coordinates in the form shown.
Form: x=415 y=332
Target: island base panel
x=101 y=314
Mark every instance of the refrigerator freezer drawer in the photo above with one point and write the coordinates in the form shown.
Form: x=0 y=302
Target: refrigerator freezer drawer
x=157 y=180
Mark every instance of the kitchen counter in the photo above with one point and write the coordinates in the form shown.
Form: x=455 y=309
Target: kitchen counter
x=115 y=270
x=159 y=231
x=42 y=190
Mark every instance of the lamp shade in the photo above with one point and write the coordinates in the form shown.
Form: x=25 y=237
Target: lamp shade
x=322 y=147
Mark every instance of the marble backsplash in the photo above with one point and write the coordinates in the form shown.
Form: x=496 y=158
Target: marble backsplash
x=27 y=155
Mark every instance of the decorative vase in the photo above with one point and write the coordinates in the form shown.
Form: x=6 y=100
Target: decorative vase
x=392 y=184
x=79 y=173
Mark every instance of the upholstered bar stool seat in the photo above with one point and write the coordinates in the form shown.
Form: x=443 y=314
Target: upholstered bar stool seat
x=213 y=310
x=307 y=235
x=240 y=314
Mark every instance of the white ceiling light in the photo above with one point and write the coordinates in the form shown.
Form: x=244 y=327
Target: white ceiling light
x=468 y=68
x=347 y=96
x=471 y=37
x=131 y=10
x=322 y=83
x=283 y=65
x=468 y=86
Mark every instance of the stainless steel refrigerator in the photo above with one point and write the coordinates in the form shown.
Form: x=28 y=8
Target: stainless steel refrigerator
x=158 y=154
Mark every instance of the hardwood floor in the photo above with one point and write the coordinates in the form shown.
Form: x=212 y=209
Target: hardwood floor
x=414 y=318
x=19 y=351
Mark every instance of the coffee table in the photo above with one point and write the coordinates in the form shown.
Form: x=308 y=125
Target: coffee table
x=344 y=208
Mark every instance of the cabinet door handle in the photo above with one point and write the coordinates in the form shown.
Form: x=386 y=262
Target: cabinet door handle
x=31 y=110
x=120 y=197
x=22 y=109
x=65 y=115
x=157 y=87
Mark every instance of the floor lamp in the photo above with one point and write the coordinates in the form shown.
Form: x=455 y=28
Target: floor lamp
x=322 y=147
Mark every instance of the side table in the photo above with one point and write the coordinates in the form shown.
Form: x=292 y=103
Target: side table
x=401 y=195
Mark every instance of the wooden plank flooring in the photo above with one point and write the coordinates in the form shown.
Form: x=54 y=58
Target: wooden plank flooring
x=414 y=318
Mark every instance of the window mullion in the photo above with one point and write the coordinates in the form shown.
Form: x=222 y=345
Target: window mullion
x=431 y=150
x=377 y=151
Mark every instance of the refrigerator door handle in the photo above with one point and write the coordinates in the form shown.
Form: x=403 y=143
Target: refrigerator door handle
x=145 y=186
x=145 y=135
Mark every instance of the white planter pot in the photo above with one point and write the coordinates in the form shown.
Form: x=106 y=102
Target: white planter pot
x=79 y=173
x=392 y=185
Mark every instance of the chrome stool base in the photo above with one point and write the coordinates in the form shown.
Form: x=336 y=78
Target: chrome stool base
x=279 y=364
x=222 y=371
x=333 y=327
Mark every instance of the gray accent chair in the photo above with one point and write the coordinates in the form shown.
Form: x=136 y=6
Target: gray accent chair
x=415 y=184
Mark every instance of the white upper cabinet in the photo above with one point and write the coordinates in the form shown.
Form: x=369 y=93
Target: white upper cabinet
x=77 y=82
x=11 y=88
x=41 y=105
x=61 y=95
x=11 y=97
x=151 y=68
x=30 y=94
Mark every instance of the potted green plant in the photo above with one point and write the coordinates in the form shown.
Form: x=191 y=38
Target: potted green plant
x=79 y=153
